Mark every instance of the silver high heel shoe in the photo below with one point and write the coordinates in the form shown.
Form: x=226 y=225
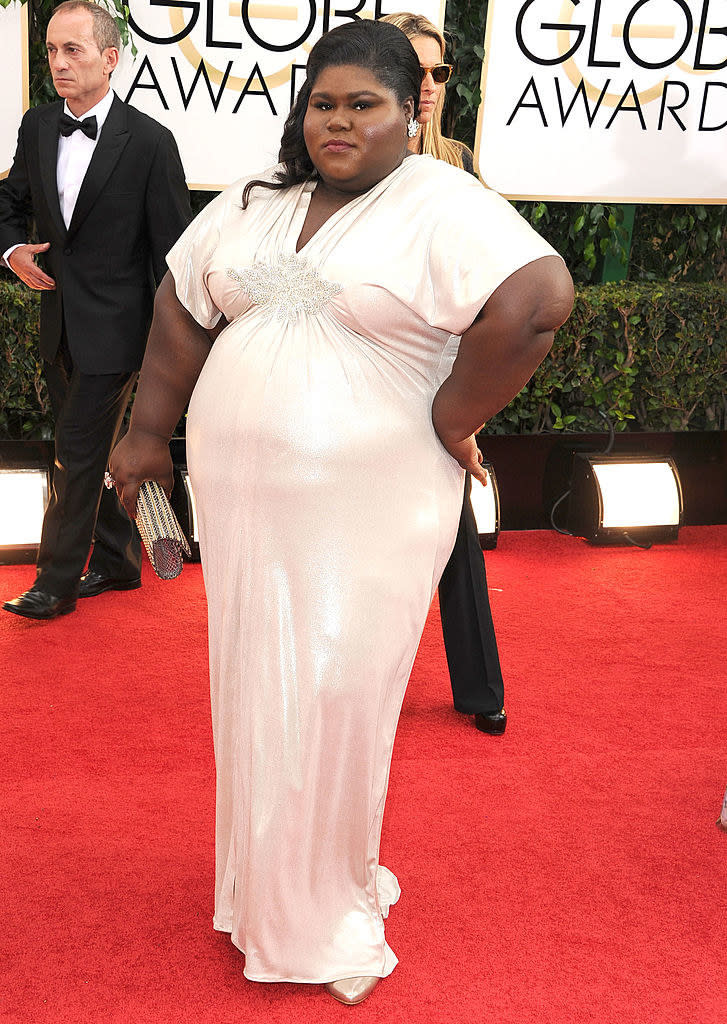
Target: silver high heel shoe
x=352 y=990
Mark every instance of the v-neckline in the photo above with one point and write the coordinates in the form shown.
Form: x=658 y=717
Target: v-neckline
x=303 y=205
x=306 y=197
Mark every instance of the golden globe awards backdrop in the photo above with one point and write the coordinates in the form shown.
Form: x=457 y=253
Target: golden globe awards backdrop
x=13 y=79
x=624 y=100
x=222 y=74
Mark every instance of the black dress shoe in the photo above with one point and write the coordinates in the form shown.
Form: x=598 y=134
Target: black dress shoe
x=494 y=724
x=36 y=604
x=93 y=583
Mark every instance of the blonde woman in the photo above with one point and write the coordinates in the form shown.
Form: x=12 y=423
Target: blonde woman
x=469 y=634
x=430 y=47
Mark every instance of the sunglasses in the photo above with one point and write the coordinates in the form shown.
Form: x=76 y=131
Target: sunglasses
x=439 y=72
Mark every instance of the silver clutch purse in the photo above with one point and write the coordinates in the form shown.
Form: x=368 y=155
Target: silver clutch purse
x=161 y=533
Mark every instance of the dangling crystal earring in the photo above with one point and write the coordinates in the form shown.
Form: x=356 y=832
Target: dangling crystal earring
x=412 y=127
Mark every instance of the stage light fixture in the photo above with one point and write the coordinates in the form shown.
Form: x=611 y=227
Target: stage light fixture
x=185 y=508
x=23 y=498
x=625 y=499
x=193 y=525
x=486 y=507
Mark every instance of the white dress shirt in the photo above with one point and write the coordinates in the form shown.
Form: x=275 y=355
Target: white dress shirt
x=74 y=156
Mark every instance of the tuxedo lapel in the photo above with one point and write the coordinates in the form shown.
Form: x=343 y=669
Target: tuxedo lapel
x=48 y=133
x=111 y=143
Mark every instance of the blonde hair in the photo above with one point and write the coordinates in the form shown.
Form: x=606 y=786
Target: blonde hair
x=433 y=142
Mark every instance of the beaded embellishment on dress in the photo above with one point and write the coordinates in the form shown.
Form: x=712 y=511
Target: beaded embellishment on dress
x=290 y=285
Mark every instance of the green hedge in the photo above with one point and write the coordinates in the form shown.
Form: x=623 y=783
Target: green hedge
x=24 y=405
x=652 y=356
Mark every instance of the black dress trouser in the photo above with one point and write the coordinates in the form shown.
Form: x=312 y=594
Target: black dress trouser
x=469 y=633
x=88 y=411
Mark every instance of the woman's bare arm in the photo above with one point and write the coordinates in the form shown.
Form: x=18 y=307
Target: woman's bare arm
x=175 y=354
x=499 y=353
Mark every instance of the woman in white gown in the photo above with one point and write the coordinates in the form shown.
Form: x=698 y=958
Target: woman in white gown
x=336 y=288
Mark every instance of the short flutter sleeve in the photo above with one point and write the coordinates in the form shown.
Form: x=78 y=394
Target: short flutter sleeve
x=480 y=242
x=190 y=259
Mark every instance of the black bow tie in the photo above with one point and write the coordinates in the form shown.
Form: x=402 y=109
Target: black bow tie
x=88 y=126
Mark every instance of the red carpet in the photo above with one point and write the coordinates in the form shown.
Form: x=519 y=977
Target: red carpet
x=567 y=872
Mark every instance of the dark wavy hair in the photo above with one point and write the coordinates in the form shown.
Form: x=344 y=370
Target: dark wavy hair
x=380 y=48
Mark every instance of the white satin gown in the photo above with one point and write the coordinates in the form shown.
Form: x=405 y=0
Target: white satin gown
x=328 y=509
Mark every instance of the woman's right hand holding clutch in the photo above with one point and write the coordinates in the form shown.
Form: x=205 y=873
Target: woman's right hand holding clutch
x=140 y=456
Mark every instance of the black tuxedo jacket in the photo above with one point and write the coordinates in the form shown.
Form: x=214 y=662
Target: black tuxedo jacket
x=132 y=207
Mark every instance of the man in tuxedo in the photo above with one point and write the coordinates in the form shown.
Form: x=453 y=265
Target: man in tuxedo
x=105 y=186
